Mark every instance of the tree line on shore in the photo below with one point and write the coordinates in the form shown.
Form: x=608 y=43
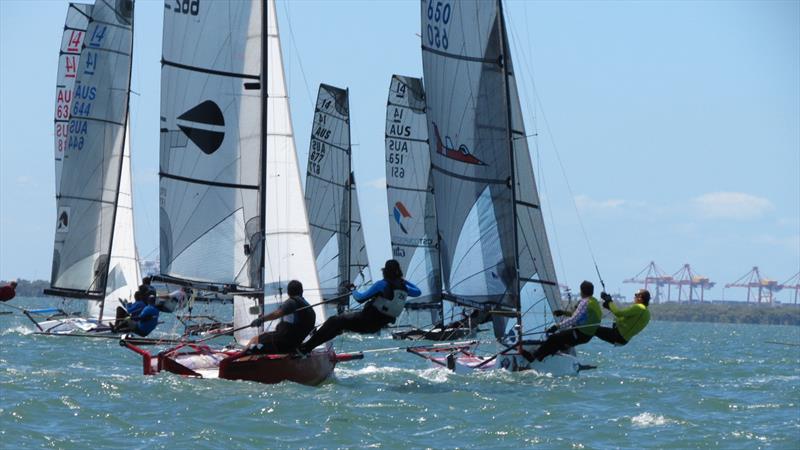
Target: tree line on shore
x=674 y=312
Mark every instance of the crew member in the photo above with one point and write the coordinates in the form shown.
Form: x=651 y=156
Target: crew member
x=577 y=329
x=386 y=300
x=142 y=316
x=297 y=320
x=629 y=321
x=172 y=301
x=8 y=292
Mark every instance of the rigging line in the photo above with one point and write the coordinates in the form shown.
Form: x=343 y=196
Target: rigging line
x=537 y=151
x=564 y=174
x=297 y=54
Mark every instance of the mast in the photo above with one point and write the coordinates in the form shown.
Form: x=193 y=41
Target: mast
x=350 y=190
x=504 y=61
x=263 y=142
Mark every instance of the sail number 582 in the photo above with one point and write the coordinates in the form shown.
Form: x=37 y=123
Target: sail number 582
x=438 y=18
x=187 y=7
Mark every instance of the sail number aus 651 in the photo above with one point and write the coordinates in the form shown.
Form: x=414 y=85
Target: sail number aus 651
x=191 y=7
x=438 y=18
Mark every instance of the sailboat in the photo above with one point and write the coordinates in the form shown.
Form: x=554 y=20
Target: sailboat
x=94 y=255
x=493 y=244
x=336 y=232
x=233 y=217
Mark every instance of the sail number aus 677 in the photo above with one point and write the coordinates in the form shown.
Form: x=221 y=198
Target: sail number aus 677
x=191 y=7
x=438 y=18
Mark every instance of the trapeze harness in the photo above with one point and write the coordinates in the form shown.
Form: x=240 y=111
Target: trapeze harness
x=392 y=300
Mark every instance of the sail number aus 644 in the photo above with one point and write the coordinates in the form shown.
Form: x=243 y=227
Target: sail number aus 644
x=191 y=7
x=438 y=18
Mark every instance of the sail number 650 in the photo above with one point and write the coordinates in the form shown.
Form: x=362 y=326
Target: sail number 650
x=438 y=14
x=187 y=7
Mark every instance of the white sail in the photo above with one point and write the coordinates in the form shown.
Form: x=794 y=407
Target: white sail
x=123 y=275
x=412 y=215
x=92 y=163
x=289 y=252
x=328 y=188
x=360 y=274
x=492 y=239
x=331 y=198
x=69 y=55
x=210 y=143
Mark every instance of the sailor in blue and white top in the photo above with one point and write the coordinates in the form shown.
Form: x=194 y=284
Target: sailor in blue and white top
x=385 y=301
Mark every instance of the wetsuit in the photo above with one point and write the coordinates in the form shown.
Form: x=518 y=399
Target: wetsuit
x=629 y=322
x=146 y=321
x=290 y=332
x=127 y=317
x=7 y=293
x=367 y=321
x=576 y=330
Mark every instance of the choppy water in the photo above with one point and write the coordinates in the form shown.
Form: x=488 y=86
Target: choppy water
x=676 y=386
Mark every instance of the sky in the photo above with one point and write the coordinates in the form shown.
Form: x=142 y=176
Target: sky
x=668 y=131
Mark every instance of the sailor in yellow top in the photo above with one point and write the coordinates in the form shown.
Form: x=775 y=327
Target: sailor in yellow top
x=629 y=321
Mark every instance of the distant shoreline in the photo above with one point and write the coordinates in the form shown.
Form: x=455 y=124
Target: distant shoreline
x=728 y=312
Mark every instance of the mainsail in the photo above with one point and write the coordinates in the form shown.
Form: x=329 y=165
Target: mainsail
x=493 y=244
x=409 y=190
x=94 y=161
x=335 y=221
x=210 y=166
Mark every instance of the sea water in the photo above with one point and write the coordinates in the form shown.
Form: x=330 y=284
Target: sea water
x=677 y=385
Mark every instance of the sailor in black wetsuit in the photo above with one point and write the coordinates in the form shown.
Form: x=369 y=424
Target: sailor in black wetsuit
x=297 y=320
x=386 y=299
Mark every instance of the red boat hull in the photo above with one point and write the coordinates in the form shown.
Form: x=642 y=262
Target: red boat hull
x=204 y=362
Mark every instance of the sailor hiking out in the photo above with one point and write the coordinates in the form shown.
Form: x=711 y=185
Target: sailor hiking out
x=629 y=321
x=140 y=317
x=578 y=329
x=385 y=302
x=297 y=320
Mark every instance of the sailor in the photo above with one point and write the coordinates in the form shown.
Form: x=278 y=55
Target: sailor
x=172 y=301
x=141 y=316
x=629 y=321
x=385 y=301
x=577 y=329
x=297 y=320
x=148 y=282
x=148 y=318
x=8 y=291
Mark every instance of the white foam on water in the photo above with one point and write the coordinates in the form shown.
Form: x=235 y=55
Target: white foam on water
x=646 y=420
x=19 y=329
x=432 y=374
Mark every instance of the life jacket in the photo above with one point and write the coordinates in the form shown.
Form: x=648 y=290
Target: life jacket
x=392 y=300
x=298 y=322
x=593 y=316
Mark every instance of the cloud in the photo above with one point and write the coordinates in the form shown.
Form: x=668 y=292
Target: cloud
x=379 y=183
x=731 y=205
x=791 y=243
x=586 y=203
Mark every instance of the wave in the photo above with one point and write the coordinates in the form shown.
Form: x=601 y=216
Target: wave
x=19 y=329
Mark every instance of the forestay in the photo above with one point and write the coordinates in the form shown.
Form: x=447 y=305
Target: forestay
x=409 y=190
x=93 y=161
x=492 y=239
x=69 y=56
x=331 y=198
x=210 y=143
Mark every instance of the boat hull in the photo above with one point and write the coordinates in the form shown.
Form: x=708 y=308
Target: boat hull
x=202 y=361
x=417 y=334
